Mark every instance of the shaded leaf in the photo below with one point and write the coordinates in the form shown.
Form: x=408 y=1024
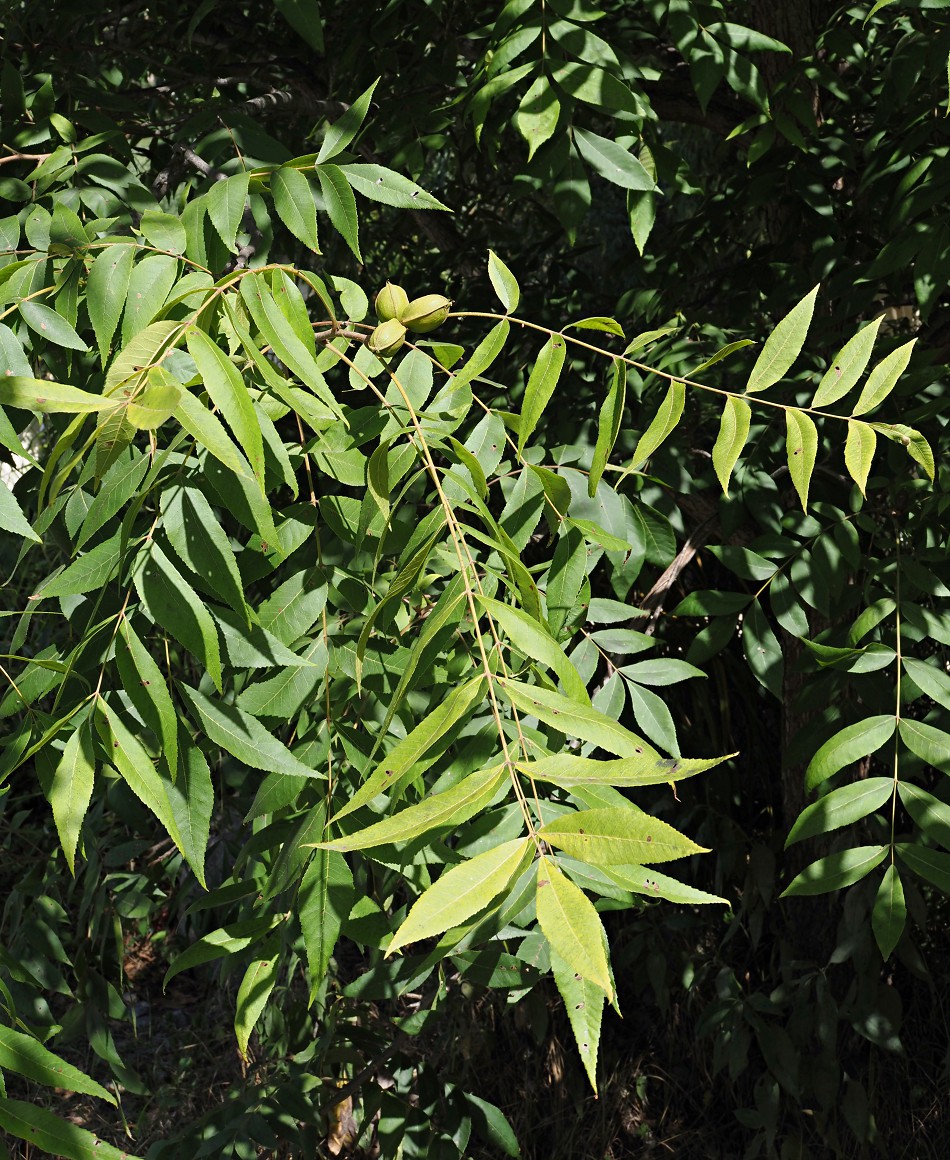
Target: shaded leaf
x=841 y=807
x=889 y=915
x=847 y=746
x=837 y=871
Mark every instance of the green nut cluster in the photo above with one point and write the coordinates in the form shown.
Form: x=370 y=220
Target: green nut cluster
x=397 y=315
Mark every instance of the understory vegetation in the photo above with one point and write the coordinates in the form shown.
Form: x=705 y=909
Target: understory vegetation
x=474 y=555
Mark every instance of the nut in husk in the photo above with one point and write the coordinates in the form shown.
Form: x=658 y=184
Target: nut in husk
x=387 y=338
x=426 y=313
x=391 y=301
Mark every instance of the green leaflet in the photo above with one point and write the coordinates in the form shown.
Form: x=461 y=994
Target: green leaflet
x=106 y=290
x=598 y=322
x=149 y=286
x=584 y=1003
x=377 y=183
x=90 y=572
x=503 y=281
x=612 y=161
x=889 y=915
x=847 y=746
x=436 y=811
x=723 y=353
x=664 y=423
x=529 y=638
x=608 y=424
x=45 y=1130
x=837 y=871
x=164 y=798
x=802 y=445
x=28 y=1057
x=733 y=433
x=145 y=350
x=254 y=991
x=146 y=689
x=200 y=542
x=243 y=736
x=164 y=231
x=343 y=130
x=341 y=205
x=155 y=403
x=566 y=577
x=293 y=201
x=572 y=926
x=228 y=392
x=279 y=333
x=226 y=201
x=171 y=602
x=536 y=119
x=541 y=383
x=324 y=900
x=930 y=744
x=294 y=606
x=209 y=432
x=12 y=519
x=841 y=807
x=762 y=650
x=607 y=837
x=46 y=323
x=883 y=379
x=847 y=366
x=69 y=795
x=412 y=748
x=220 y=943
x=484 y=354
x=646 y=880
x=568 y=769
x=576 y=720
x=653 y=717
x=931 y=865
x=933 y=681
x=462 y=891
x=50 y=398
x=859 y=452
x=252 y=647
x=783 y=345
x=916 y=445
x=870 y=618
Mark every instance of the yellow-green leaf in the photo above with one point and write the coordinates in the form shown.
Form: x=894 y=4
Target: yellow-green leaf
x=883 y=379
x=664 y=422
x=572 y=926
x=847 y=366
x=783 y=345
x=462 y=891
x=801 y=443
x=859 y=452
x=437 y=811
x=733 y=433
x=616 y=836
